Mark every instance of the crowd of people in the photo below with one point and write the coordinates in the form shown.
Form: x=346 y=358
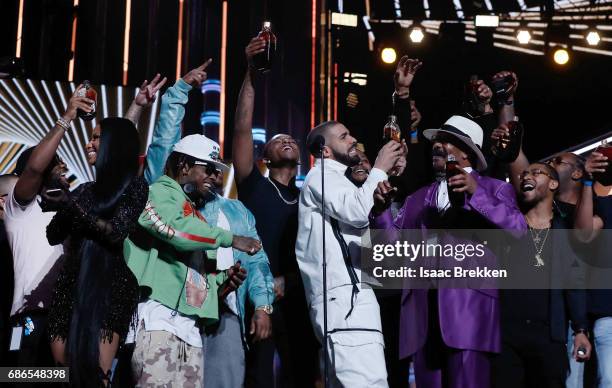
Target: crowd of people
x=150 y=276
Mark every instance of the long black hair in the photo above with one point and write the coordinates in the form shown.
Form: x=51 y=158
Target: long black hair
x=116 y=166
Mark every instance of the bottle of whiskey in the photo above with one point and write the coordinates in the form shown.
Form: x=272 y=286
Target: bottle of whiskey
x=263 y=60
x=88 y=91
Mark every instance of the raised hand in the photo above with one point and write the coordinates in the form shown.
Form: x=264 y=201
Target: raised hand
x=383 y=197
x=388 y=156
x=404 y=74
x=501 y=133
x=198 y=75
x=463 y=182
x=77 y=102
x=484 y=92
x=506 y=73
x=147 y=92
x=596 y=162
x=256 y=45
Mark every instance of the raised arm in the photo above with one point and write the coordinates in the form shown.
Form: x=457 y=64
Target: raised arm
x=587 y=224
x=31 y=179
x=506 y=109
x=351 y=204
x=242 y=144
x=145 y=98
x=167 y=130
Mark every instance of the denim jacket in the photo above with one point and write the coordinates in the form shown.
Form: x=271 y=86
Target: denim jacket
x=259 y=284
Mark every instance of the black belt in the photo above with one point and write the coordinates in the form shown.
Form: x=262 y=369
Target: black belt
x=347 y=262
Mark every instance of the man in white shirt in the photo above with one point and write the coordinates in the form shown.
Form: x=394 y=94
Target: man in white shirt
x=355 y=343
x=36 y=266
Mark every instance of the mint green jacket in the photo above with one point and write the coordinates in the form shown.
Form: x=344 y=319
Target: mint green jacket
x=170 y=228
x=259 y=284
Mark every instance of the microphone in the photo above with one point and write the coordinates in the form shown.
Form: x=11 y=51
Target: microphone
x=316 y=145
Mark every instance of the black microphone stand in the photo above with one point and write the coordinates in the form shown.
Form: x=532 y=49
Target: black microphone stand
x=325 y=332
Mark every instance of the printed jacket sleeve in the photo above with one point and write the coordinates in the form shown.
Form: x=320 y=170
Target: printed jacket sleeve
x=167 y=130
x=166 y=220
x=346 y=202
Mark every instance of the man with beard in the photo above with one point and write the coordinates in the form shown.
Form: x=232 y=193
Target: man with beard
x=273 y=200
x=535 y=321
x=225 y=338
x=36 y=264
x=570 y=169
x=451 y=347
x=356 y=346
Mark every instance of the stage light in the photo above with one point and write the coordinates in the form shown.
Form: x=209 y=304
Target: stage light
x=486 y=21
x=416 y=35
x=593 y=38
x=561 y=56
x=523 y=36
x=344 y=19
x=388 y=55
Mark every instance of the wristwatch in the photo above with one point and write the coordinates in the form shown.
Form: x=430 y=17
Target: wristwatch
x=268 y=309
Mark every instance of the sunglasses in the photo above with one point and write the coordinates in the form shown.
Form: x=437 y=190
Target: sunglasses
x=559 y=160
x=535 y=172
x=209 y=168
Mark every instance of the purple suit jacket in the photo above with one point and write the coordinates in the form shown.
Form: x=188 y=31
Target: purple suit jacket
x=469 y=318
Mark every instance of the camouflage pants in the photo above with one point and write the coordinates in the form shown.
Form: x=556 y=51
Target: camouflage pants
x=161 y=359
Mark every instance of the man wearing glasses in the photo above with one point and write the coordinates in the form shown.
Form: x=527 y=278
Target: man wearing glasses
x=535 y=321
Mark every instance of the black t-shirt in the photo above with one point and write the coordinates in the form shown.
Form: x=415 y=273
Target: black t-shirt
x=519 y=306
x=566 y=212
x=600 y=301
x=276 y=220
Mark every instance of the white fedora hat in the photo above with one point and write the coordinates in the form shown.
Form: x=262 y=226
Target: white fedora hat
x=201 y=148
x=466 y=131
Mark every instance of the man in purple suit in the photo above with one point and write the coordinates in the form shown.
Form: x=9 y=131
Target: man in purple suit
x=451 y=333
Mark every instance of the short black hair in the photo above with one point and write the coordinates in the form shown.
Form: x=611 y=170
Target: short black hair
x=320 y=130
x=22 y=162
x=176 y=161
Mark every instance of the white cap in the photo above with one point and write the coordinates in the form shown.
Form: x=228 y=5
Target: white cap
x=201 y=148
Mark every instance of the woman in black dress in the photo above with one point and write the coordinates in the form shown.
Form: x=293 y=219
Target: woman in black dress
x=96 y=294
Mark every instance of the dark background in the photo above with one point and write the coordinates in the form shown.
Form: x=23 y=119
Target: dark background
x=560 y=106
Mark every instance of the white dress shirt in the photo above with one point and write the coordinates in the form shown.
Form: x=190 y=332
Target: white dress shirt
x=346 y=203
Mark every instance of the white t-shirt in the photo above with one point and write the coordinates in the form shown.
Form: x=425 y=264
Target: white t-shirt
x=225 y=259
x=157 y=317
x=35 y=262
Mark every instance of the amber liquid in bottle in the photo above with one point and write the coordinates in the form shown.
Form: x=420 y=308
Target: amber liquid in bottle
x=88 y=91
x=263 y=60
x=392 y=130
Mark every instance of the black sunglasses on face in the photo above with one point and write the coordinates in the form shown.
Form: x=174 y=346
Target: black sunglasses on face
x=209 y=168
